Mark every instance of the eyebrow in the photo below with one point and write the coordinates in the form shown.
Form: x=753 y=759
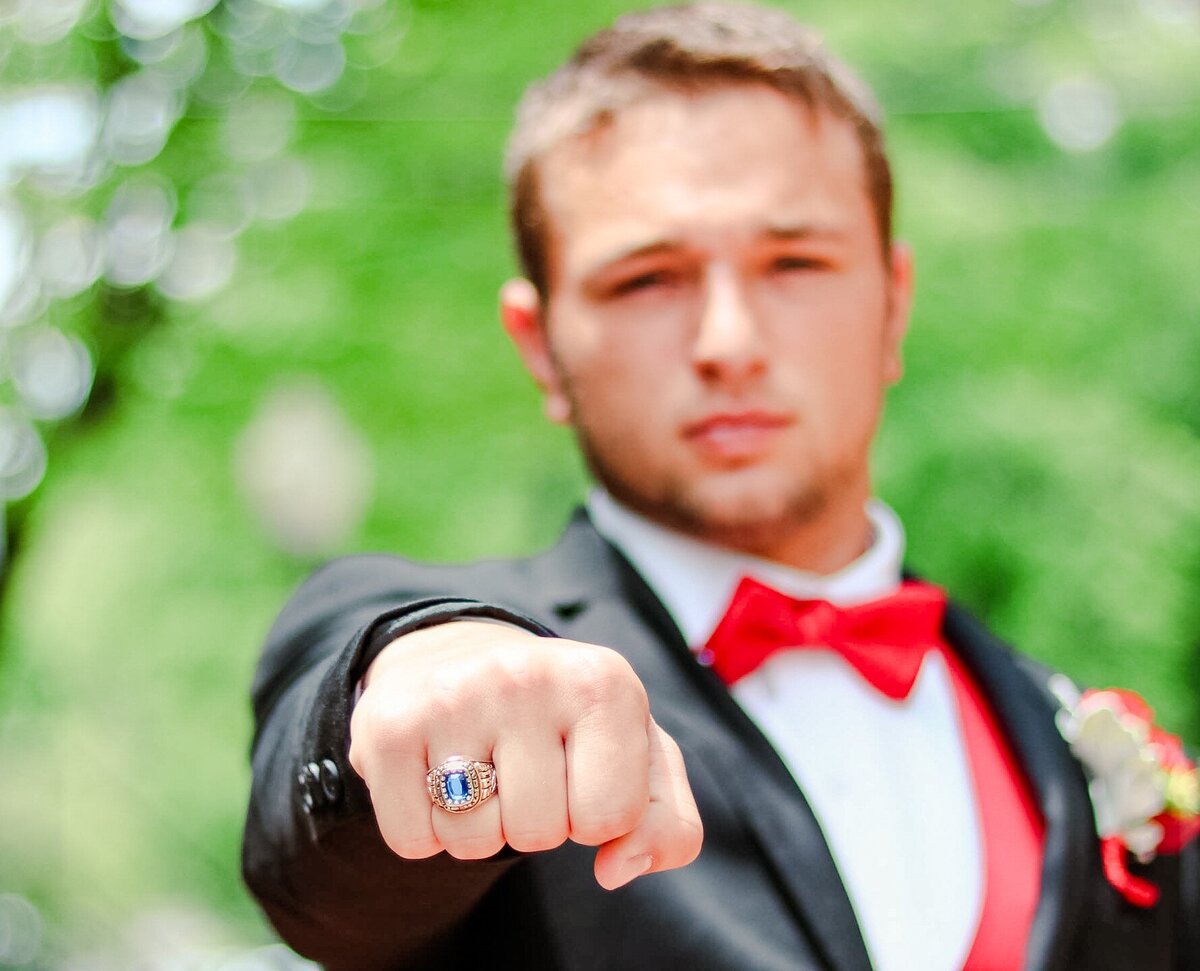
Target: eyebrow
x=651 y=248
x=789 y=231
x=781 y=232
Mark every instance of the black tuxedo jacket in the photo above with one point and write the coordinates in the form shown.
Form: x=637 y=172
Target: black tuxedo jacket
x=764 y=893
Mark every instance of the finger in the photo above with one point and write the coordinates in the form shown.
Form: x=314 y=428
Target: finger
x=670 y=833
x=476 y=833
x=532 y=770
x=393 y=766
x=607 y=769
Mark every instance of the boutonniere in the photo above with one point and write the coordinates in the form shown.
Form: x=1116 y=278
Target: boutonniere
x=1145 y=791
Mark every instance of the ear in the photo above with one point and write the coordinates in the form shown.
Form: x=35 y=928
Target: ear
x=900 y=292
x=522 y=315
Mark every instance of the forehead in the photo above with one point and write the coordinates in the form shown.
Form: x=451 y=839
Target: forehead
x=711 y=165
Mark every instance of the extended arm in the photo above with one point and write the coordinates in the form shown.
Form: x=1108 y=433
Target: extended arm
x=348 y=862
x=312 y=852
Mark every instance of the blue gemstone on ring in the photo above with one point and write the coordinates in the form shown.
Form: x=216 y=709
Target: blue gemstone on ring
x=457 y=787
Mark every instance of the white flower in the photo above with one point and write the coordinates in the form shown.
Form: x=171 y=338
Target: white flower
x=1125 y=779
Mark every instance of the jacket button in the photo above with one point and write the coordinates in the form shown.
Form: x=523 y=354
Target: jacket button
x=331 y=781
x=308 y=781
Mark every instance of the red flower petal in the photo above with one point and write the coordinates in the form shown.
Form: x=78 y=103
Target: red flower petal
x=1168 y=749
x=1123 y=701
x=1178 y=831
x=1139 y=892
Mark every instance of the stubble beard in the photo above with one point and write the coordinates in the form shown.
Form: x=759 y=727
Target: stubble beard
x=752 y=522
x=745 y=519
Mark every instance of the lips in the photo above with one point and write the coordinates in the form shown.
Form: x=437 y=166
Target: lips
x=735 y=436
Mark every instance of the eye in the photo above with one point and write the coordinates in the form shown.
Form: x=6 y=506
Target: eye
x=790 y=264
x=644 y=281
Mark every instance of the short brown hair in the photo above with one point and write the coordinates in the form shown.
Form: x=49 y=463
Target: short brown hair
x=686 y=47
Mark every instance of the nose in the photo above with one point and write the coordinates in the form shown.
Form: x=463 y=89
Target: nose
x=728 y=348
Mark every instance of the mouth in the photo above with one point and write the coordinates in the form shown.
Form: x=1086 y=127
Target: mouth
x=735 y=437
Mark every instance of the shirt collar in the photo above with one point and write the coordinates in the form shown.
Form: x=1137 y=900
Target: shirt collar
x=695 y=580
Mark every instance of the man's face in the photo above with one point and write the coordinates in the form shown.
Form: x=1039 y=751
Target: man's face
x=721 y=321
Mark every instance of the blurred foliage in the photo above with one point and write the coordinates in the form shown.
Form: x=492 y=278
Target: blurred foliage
x=1043 y=449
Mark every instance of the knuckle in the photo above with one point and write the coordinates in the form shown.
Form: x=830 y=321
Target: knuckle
x=520 y=675
x=392 y=722
x=412 y=847
x=604 y=679
x=408 y=722
x=393 y=732
x=535 y=840
x=449 y=693
x=475 y=847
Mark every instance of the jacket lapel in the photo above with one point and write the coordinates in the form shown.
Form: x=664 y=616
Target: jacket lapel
x=595 y=595
x=1025 y=711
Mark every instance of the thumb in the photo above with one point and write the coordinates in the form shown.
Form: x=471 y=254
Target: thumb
x=670 y=833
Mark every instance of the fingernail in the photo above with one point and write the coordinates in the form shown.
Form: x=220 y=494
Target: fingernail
x=634 y=867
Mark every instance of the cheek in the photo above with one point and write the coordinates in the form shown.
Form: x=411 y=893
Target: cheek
x=834 y=375
x=629 y=360
x=832 y=332
x=628 y=409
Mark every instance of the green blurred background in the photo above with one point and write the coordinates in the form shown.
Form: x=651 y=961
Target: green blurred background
x=312 y=365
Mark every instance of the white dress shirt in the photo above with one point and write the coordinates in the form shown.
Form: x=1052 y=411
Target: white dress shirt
x=888 y=780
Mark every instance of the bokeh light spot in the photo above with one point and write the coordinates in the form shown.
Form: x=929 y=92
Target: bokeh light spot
x=20 y=922
x=259 y=126
x=301 y=6
x=304 y=470
x=22 y=455
x=52 y=372
x=50 y=128
x=150 y=19
x=14 y=251
x=201 y=264
x=44 y=22
x=70 y=256
x=308 y=68
x=1173 y=13
x=224 y=202
x=142 y=110
x=1079 y=114
x=280 y=188
x=137 y=232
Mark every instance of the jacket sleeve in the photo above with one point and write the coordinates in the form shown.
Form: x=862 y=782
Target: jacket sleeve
x=312 y=853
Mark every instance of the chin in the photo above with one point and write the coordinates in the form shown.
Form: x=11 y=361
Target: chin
x=748 y=510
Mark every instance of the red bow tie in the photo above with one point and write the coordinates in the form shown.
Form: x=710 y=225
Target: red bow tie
x=884 y=639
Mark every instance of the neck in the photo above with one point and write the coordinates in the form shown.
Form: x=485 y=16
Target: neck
x=820 y=543
x=825 y=544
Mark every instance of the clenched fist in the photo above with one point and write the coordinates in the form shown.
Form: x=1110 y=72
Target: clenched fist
x=568 y=726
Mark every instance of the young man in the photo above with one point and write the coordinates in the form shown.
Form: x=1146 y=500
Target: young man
x=486 y=764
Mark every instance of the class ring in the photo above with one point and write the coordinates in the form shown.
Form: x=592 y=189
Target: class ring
x=458 y=785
